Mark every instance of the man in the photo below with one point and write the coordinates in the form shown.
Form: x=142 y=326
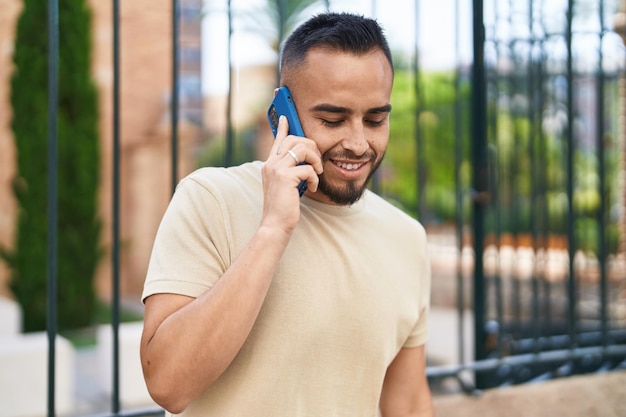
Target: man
x=262 y=303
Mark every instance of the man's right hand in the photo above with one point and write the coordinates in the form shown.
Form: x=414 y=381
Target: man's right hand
x=282 y=174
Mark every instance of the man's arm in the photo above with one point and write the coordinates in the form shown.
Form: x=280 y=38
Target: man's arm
x=188 y=343
x=405 y=391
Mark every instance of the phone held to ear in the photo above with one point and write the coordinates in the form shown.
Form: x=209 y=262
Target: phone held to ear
x=283 y=105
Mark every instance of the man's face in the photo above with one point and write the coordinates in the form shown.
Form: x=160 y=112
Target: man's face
x=343 y=105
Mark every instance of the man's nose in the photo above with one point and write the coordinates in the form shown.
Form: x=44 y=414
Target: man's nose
x=356 y=140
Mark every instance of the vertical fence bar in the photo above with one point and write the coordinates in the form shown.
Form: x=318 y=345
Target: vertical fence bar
x=601 y=215
x=375 y=180
x=175 y=91
x=281 y=27
x=571 y=282
x=531 y=91
x=458 y=155
x=542 y=234
x=228 y=157
x=544 y=96
x=479 y=171
x=495 y=200
x=621 y=136
x=514 y=167
x=53 y=98
x=115 y=396
x=419 y=140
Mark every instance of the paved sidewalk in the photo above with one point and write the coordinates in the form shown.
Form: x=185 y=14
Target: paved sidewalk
x=598 y=395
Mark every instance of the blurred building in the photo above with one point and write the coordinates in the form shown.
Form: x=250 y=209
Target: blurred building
x=10 y=10
x=145 y=128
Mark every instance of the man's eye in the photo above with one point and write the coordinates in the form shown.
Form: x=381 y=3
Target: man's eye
x=331 y=123
x=375 y=123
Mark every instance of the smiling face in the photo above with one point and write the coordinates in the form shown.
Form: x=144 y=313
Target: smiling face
x=343 y=104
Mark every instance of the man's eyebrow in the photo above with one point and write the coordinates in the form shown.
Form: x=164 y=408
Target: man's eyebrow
x=330 y=108
x=382 y=109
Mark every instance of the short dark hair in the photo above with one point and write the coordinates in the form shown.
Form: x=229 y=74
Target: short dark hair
x=343 y=32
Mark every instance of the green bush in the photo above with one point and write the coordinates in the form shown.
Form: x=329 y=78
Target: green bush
x=78 y=167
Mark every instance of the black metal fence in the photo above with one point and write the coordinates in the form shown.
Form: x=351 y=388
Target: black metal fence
x=546 y=151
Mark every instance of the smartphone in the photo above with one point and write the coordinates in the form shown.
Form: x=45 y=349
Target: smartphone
x=283 y=105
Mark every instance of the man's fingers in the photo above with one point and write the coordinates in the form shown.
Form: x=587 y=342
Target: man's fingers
x=305 y=152
x=281 y=134
x=310 y=176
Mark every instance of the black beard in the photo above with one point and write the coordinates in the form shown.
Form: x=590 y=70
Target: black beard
x=349 y=193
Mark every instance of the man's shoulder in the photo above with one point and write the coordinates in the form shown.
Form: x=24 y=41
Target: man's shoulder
x=225 y=180
x=249 y=170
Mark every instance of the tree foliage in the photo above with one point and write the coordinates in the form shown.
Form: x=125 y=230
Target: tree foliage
x=398 y=176
x=78 y=167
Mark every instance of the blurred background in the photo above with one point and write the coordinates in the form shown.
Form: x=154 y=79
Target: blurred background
x=507 y=143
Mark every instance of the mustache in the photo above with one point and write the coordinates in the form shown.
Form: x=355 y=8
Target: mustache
x=369 y=155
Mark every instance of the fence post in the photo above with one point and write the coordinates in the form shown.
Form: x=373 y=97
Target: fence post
x=479 y=176
x=53 y=87
x=174 y=113
x=115 y=397
x=571 y=218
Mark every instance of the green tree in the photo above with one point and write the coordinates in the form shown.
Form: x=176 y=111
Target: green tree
x=278 y=20
x=78 y=175
x=437 y=121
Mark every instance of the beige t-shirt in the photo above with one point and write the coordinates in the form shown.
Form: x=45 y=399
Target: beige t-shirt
x=351 y=290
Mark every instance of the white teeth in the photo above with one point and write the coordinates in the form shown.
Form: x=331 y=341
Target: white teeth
x=349 y=167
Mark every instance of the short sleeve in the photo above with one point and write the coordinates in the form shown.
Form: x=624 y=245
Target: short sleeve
x=419 y=334
x=192 y=246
